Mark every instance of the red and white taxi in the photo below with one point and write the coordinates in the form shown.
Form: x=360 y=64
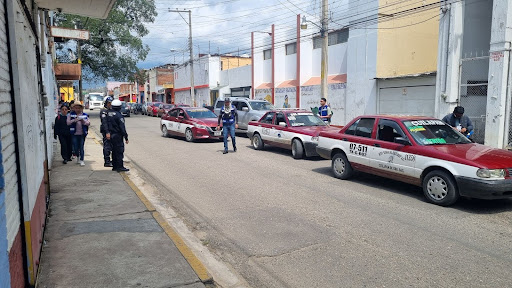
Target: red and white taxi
x=193 y=123
x=422 y=151
x=290 y=129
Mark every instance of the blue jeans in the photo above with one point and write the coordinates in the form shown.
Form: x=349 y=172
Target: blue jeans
x=78 y=145
x=228 y=130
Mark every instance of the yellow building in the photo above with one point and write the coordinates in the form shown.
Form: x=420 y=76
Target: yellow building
x=67 y=93
x=229 y=62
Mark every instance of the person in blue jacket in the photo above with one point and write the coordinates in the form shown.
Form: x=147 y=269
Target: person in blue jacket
x=229 y=117
x=78 y=123
x=459 y=121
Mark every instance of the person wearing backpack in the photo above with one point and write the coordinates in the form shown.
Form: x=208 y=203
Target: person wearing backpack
x=61 y=130
x=78 y=123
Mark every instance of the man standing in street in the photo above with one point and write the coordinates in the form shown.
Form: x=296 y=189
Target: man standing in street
x=107 y=145
x=324 y=111
x=229 y=117
x=115 y=132
x=459 y=121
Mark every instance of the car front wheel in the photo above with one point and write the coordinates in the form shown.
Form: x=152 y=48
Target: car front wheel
x=341 y=167
x=439 y=188
x=188 y=135
x=297 y=149
x=257 y=143
x=165 y=133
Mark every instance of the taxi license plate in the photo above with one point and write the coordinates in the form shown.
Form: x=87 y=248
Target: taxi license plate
x=216 y=133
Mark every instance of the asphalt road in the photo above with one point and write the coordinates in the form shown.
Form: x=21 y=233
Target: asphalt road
x=282 y=222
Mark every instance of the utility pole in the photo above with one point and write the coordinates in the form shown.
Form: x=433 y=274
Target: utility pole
x=325 y=44
x=191 y=48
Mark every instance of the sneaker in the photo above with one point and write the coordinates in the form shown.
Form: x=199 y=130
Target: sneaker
x=123 y=169
x=82 y=163
x=77 y=160
x=108 y=164
x=225 y=152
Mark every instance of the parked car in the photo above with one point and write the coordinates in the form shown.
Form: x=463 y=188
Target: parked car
x=248 y=110
x=164 y=108
x=422 y=151
x=145 y=108
x=125 y=109
x=191 y=122
x=136 y=108
x=296 y=130
x=153 y=108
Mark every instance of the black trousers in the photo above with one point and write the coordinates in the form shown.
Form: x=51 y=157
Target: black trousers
x=117 y=150
x=107 y=148
x=65 y=146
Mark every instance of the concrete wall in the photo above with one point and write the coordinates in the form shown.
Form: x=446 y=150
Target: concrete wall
x=236 y=77
x=405 y=47
x=310 y=98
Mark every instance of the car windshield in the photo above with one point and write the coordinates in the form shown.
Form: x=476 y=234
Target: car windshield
x=434 y=132
x=123 y=104
x=166 y=106
x=95 y=97
x=304 y=119
x=201 y=113
x=261 y=105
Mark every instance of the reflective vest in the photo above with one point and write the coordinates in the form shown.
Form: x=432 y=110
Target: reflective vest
x=228 y=119
x=323 y=111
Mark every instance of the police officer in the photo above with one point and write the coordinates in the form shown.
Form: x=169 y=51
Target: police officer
x=324 y=111
x=115 y=132
x=229 y=117
x=107 y=144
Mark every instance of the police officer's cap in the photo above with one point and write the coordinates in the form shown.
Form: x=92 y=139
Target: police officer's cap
x=109 y=99
x=117 y=103
x=227 y=100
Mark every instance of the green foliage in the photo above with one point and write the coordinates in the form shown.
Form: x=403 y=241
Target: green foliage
x=115 y=45
x=139 y=76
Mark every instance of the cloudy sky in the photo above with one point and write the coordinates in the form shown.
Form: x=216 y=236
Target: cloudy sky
x=223 y=25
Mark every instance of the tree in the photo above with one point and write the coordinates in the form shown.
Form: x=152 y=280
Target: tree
x=139 y=76
x=115 y=45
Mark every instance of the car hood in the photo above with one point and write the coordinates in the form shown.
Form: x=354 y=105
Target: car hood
x=314 y=130
x=479 y=155
x=210 y=122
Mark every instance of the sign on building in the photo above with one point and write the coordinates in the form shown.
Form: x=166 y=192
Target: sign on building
x=69 y=33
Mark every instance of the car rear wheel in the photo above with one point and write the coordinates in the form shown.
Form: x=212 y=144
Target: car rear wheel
x=341 y=167
x=165 y=133
x=257 y=143
x=297 y=149
x=439 y=188
x=188 y=135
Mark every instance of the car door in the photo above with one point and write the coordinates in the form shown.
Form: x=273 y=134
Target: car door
x=172 y=121
x=181 y=122
x=358 y=141
x=391 y=159
x=266 y=127
x=278 y=133
x=242 y=114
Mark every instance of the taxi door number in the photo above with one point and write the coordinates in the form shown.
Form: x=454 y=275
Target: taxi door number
x=358 y=149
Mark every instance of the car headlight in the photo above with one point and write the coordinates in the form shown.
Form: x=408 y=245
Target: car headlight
x=314 y=138
x=199 y=126
x=490 y=173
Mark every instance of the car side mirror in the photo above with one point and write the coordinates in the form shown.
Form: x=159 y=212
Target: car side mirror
x=245 y=109
x=282 y=124
x=403 y=141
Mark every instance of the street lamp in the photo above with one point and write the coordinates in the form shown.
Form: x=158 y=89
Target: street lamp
x=323 y=34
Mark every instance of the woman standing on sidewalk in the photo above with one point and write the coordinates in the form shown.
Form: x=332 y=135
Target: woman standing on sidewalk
x=61 y=129
x=79 y=124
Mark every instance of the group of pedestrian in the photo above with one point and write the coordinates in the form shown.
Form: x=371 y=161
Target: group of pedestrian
x=71 y=127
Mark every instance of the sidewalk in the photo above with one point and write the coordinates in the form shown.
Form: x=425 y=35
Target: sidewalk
x=101 y=234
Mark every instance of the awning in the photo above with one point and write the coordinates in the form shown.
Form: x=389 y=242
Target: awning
x=288 y=83
x=265 y=86
x=331 y=79
x=217 y=88
x=91 y=8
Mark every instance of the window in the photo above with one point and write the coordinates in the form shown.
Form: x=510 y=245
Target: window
x=220 y=103
x=291 y=48
x=241 y=92
x=241 y=105
x=280 y=118
x=338 y=37
x=173 y=113
x=268 y=118
x=267 y=54
x=335 y=37
x=389 y=130
x=365 y=127
x=181 y=113
x=352 y=129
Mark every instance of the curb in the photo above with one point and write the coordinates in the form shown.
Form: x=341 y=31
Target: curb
x=187 y=253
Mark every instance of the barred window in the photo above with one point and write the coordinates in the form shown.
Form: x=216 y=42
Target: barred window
x=335 y=37
x=267 y=54
x=291 y=48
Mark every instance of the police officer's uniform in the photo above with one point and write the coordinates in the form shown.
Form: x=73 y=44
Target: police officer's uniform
x=117 y=131
x=107 y=144
x=229 y=119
